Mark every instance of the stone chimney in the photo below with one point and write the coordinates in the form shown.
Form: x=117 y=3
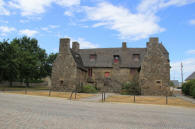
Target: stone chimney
x=124 y=45
x=64 y=46
x=153 y=40
x=75 y=46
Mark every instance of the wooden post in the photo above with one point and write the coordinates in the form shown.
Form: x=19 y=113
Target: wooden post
x=166 y=99
x=75 y=97
x=25 y=89
x=71 y=95
x=134 y=99
x=49 y=91
x=104 y=96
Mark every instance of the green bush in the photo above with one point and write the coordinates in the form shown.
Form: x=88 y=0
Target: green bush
x=130 y=88
x=193 y=93
x=188 y=88
x=89 y=89
x=35 y=81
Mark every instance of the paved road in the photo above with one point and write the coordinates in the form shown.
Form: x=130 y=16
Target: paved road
x=35 y=112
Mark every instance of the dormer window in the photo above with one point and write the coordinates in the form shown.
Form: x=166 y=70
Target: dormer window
x=92 y=57
x=116 y=58
x=136 y=57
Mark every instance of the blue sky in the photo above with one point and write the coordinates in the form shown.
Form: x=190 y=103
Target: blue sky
x=106 y=23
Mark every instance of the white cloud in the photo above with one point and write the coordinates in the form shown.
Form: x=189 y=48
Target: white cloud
x=191 y=51
x=3 y=10
x=28 y=32
x=5 y=29
x=188 y=68
x=68 y=13
x=30 y=7
x=152 y=6
x=129 y=25
x=48 y=28
x=33 y=7
x=192 y=22
x=54 y=26
x=67 y=3
x=86 y=44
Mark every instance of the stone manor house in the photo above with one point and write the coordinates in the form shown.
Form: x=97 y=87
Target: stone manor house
x=108 y=68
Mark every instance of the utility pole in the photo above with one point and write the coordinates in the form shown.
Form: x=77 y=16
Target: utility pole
x=181 y=73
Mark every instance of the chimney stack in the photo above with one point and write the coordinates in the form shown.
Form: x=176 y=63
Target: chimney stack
x=124 y=45
x=64 y=45
x=75 y=46
x=153 y=40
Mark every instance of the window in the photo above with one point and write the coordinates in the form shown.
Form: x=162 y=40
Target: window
x=159 y=82
x=90 y=72
x=116 y=58
x=107 y=74
x=61 y=82
x=92 y=57
x=136 y=57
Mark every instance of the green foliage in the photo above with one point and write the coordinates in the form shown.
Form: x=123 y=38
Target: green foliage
x=49 y=62
x=193 y=93
x=188 y=88
x=36 y=81
x=22 y=59
x=89 y=89
x=171 y=84
x=130 y=88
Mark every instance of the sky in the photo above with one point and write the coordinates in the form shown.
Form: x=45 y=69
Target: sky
x=106 y=23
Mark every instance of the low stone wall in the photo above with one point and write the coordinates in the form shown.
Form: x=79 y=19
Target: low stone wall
x=23 y=84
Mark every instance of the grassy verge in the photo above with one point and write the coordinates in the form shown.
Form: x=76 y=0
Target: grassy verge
x=53 y=94
x=150 y=100
x=22 y=88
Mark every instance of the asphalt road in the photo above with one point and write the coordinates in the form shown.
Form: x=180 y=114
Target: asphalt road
x=35 y=112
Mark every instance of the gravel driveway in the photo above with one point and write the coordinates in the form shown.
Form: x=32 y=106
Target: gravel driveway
x=36 y=112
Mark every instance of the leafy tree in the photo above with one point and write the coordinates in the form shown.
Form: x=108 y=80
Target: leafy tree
x=31 y=59
x=9 y=64
x=22 y=59
x=49 y=63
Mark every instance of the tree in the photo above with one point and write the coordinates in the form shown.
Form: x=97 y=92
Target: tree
x=8 y=65
x=31 y=59
x=50 y=60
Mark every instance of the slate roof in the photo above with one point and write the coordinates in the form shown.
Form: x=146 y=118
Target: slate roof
x=191 y=77
x=78 y=60
x=104 y=57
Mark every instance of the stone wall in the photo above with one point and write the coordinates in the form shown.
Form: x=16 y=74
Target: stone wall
x=114 y=82
x=155 y=71
x=64 y=70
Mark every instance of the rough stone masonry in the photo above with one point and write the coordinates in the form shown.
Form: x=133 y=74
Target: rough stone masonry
x=109 y=68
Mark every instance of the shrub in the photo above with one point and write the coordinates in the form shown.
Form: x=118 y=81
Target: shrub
x=89 y=89
x=193 y=93
x=188 y=88
x=130 y=88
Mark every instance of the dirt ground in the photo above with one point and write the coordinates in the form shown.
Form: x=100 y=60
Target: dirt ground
x=54 y=94
x=160 y=100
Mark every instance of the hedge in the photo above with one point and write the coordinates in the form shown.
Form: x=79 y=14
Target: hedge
x=89 y=89
x=188 y=88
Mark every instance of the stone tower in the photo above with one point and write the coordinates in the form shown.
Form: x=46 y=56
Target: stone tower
x=155 y=70
x=64 y=70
